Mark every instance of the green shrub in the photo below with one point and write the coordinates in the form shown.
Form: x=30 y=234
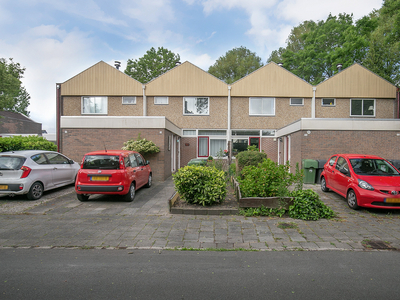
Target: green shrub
x=142 y=146
x=308 y=206
x=200 y=185
x=268 y=179
x=249 y=158
x=26 y=143
x=262 y=211
x=232 y=169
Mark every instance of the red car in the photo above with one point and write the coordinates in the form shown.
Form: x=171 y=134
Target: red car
x=364 y=180
x=112 y=172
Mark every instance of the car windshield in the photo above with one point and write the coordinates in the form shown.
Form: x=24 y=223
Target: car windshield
x=101 y=162
x=11 y=162
x=375 y=167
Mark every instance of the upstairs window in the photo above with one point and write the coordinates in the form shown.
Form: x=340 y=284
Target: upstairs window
x=296 y=101
x=128 y=100
x=160 y=100
x=362 y=107
x=94 y=105
x=195 y=106
x=261 y=106
x=328 y=102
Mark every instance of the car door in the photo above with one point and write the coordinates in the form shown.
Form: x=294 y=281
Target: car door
x=62 y=170
x=141 y=173
x=330 y=171
x=136 y=168
x=342 y=175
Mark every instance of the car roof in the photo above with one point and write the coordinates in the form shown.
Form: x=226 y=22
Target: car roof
x=110 y=152
x=351 y=156
x=26 y=153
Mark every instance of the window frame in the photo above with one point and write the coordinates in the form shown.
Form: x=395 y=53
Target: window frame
x=197 y=114
x=124 y=103
x=362 y=108
x=167 y=98
x=94 y=113
x=328 y=105
x=262 y=114
x=198 y=146
x=302 y=102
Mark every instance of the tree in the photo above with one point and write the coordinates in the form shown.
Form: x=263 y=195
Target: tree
x=13 y=96
x=152 y=64
x=236 y=64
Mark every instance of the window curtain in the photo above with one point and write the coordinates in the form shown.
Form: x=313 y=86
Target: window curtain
x=203 y=146
x=216 y=146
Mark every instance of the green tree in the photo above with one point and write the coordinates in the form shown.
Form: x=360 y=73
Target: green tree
x=235 y=64
x=152 y=64
x=13 y=96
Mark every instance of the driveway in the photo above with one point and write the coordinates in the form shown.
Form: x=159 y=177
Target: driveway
x=60 y=220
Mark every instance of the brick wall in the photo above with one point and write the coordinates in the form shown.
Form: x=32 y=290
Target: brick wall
x=18 y=126
x=188 y=149
x=270 y=147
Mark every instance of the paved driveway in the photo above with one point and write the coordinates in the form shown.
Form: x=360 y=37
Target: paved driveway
x=60 y=220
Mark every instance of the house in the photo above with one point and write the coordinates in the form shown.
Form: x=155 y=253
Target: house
x=189 y=113
x=12 y=123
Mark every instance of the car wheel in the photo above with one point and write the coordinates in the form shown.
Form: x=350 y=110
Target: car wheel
x=36 y=191
x=82 y=197
x=352 y=200
x=149 y=182
x=323 y=185
x=131 y=194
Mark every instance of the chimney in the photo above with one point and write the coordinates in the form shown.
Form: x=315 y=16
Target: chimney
x=117 y=64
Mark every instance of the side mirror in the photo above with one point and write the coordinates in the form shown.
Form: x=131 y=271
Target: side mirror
x=70 y=161
x=147 y=162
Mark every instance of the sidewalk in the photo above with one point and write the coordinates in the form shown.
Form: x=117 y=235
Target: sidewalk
x=147 y=224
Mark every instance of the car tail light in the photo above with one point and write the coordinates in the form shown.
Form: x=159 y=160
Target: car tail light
x=26 y=171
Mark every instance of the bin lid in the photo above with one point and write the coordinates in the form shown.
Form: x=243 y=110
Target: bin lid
x=310 y=163
x=321 y=163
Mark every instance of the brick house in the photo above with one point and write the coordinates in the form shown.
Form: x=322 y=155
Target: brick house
x=12 y=123
x=189 y=113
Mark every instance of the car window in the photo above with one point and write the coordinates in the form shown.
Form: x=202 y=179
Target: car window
x=342 y=164
x=11 y=162
x=332 y=160
x=139 y=159
x=101 y=162
x=40 y=159
x=133 y=160
x=376 y=167
x=56 y=159
x=127 y=162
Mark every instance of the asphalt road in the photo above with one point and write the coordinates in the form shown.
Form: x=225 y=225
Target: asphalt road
x=166 y=274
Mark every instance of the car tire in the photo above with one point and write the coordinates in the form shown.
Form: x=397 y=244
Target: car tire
x=323 y=185
x=82 y=197
x=352 y=200
x=149 y=181
x=131 y=194
x=36 y=191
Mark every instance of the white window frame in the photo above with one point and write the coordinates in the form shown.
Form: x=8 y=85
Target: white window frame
x=294 y=104
x=127 y=103
x=261 y=114
x=196 y=114
x=328 y=105
x=94 y=113
x=362 y=110
x=159 y=98
x=187 y=135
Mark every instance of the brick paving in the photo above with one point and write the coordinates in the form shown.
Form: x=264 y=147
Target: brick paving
x=60 y=220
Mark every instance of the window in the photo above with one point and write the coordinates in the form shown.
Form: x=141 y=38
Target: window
x=56 y=159
x=94 y=105
x=328 y=102
x=128 y=100
x=211 y=147
x=362 y=107
x=189 y=132
x=296 y=101
x=195 y=106
x=217 y=147
x=160 y=100
x=246 y=132
x=212 y=132
x=268 y=132
x=262 y=106
x=203 y=147
x=239 y=145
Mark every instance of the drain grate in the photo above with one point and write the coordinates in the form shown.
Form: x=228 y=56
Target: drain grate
x=376 y=244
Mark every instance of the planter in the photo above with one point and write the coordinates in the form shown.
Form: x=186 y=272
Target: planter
x=270 y=202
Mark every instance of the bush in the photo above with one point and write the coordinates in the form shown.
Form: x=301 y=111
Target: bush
x=142 y=146
x=268 y=179
x=26 y=143
x=200 y=185
x=308 y=206
x=249 y=158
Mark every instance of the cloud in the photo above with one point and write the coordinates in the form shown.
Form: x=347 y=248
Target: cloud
x=148 y=11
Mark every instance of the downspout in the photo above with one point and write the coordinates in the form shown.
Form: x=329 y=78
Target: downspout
x=58 y=113
x=398 y=104
x=313 y=103
x=229 y=125
x=144 y=101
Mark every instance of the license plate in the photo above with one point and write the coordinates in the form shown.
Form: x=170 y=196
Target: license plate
x=392 y=200
x=100 y=178
x=3 y=187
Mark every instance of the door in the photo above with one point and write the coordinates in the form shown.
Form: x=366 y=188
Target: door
x=141 y=171
x=63 y=172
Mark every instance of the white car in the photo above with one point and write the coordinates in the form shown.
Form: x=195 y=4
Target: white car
x=32 y=172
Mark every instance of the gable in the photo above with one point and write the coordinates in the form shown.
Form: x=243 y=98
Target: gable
x=271 y=80
x=186 y=80
x=356 y=82
x=101 y=80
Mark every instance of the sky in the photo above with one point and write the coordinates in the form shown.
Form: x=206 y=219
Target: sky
x=55 y=40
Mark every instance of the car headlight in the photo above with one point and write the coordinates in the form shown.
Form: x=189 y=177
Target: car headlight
x=365 y=185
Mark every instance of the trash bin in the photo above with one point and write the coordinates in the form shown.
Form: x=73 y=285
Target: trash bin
x=321 y=163
x=197 y=162
x=310 y=167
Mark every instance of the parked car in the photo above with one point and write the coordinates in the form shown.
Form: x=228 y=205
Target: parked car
x=32 y=172
x=112 y=172
x=364 y=180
